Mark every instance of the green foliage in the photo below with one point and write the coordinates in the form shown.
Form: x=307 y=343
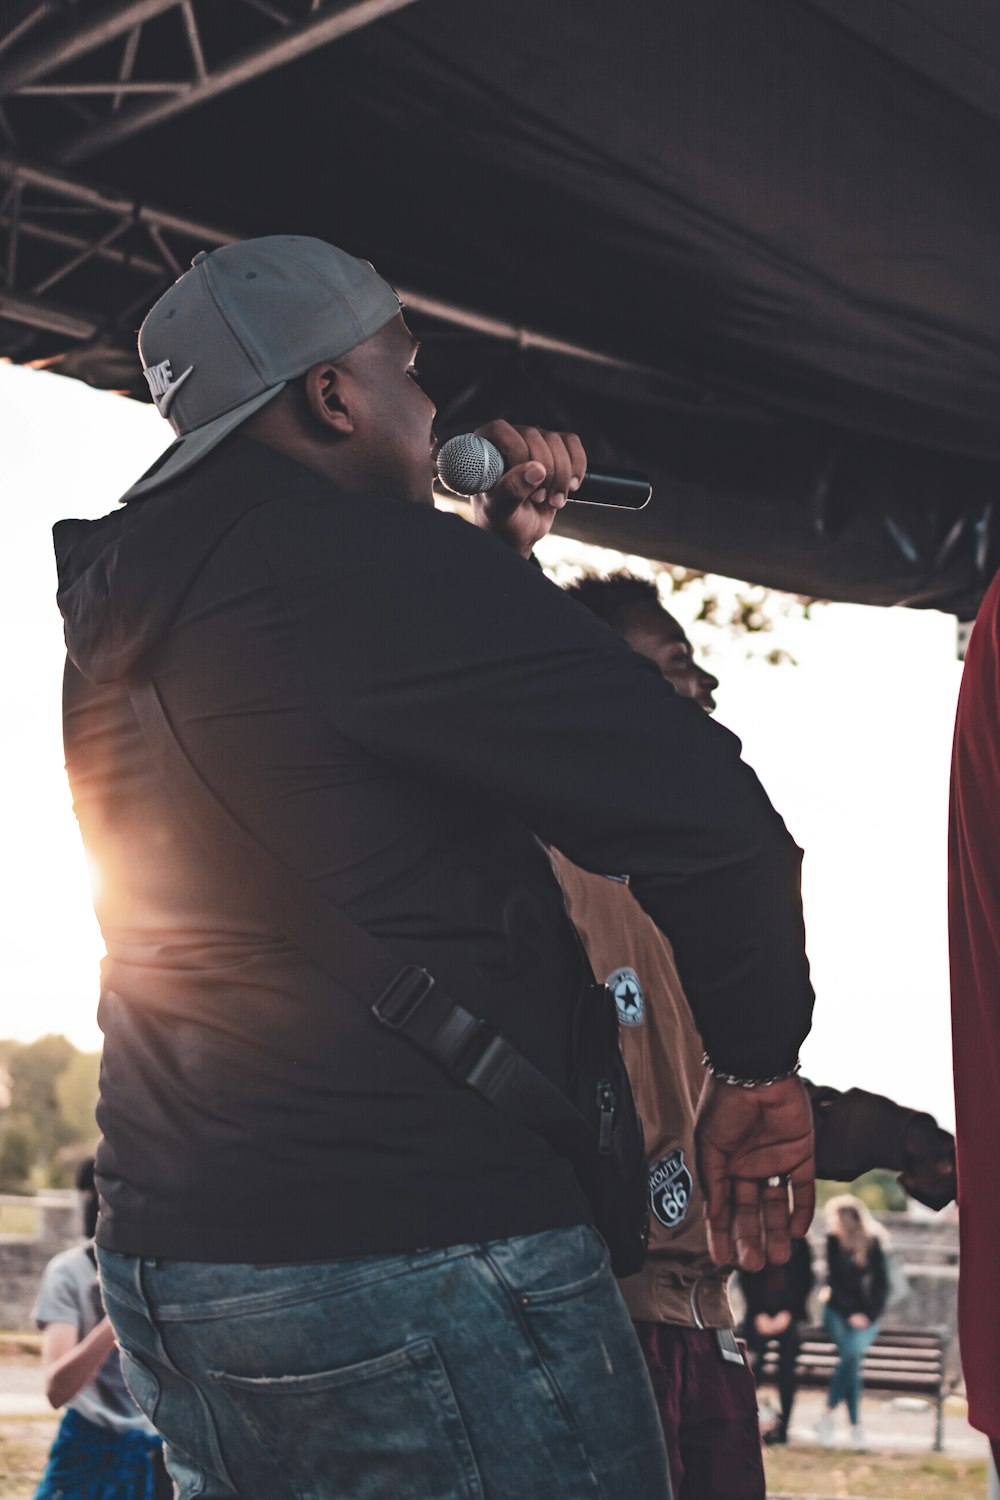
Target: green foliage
x=18 y=1147
x=33 y=1070
x=49 y=1124
x=880 y=1190
x=715 y=610
x=877 y=1188
x=76 y=1094
x=740 y=609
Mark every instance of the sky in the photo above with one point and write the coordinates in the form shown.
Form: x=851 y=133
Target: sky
x=852 y=743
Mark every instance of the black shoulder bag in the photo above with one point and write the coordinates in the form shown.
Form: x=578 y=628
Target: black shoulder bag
x=598 y=1128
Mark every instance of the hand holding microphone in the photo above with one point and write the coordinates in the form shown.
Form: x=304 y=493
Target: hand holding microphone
x=521 y=477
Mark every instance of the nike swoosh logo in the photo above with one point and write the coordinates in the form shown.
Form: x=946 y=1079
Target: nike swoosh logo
x=164 y=402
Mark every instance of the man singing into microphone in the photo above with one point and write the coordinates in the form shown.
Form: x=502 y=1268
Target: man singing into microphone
x=398 y=710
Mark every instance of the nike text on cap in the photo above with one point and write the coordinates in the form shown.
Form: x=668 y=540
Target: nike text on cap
x=246 y=319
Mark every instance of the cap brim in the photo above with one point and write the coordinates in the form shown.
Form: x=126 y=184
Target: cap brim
x=190 y=449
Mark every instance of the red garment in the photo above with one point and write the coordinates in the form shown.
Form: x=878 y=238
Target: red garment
x=708 y=1408
x=974 y=919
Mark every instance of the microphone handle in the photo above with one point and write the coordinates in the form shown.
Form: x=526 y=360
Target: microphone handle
x=626 y=489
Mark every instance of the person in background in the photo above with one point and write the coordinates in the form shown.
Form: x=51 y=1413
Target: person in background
x=858 y=1285
x=105 y=1449
x=678 y=1302
x=776 y=1309
x=854 y=1130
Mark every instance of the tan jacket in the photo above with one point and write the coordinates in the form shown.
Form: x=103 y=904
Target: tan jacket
x=680 y=1283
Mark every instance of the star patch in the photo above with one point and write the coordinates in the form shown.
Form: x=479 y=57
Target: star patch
x=629 y=1002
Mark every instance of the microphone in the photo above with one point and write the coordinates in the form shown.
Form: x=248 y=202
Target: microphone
x=468 y=464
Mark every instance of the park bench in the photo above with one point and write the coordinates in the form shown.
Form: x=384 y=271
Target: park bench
x=900 y=1360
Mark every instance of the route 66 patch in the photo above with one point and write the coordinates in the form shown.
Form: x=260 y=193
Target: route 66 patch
x=670 y=1188
x=629 y=1001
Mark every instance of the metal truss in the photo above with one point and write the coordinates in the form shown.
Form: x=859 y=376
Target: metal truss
x=102 y=66
x=78 y=264
x=71 y=232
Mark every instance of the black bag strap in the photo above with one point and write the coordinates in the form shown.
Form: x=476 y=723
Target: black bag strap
x=404 y=999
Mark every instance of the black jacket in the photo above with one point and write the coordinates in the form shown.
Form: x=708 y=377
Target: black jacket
x=854 y=1288
x=778 y=1289
x=397 y=706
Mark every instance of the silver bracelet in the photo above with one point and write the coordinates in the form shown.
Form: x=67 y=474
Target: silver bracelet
x=746 y=1083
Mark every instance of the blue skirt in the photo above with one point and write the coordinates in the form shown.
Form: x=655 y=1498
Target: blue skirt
x=87 y=1462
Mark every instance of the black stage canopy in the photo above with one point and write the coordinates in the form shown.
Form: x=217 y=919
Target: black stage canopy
x=751 y=247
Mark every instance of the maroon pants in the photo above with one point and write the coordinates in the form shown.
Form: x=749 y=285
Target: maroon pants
x=708 y=1408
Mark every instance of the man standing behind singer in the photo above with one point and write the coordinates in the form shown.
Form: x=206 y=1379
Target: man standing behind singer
x=398 y=710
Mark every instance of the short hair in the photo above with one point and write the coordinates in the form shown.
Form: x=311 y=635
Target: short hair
x=85 y=1176
x=610 y=597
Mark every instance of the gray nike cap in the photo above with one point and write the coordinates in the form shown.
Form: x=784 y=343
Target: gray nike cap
x=241 y=323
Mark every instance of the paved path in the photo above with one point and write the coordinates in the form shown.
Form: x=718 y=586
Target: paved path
x=890 y=1424
x=21 y=1393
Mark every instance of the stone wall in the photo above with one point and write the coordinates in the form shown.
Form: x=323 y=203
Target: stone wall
x=23 y=1257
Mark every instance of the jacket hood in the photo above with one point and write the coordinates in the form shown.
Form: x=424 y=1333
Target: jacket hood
x=123 y=578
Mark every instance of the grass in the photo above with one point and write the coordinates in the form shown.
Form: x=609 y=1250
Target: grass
x=797 y=1472
x=816 y=1472
x=24 y=1447
x=805 y=1473
x=20 y=1346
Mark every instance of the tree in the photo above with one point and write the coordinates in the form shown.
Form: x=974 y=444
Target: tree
x=18 y=1147
x=878 y=1188
x=50 y=1110
x=728 y=608
x=34 y=1070
x=76 y=1094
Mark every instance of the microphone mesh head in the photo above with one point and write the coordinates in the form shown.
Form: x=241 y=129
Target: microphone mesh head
x=468 y=464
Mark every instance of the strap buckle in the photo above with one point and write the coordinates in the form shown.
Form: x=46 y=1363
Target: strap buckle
x=492 y=1065
x=469 y=1047
x=402 y=997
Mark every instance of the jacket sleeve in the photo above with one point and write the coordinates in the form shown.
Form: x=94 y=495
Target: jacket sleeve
x=487 y=676
x=835 y=1277
x=879 y=1291
x=856 y=1131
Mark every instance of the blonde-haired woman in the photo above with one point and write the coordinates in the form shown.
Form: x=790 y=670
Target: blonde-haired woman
x=857 y=1278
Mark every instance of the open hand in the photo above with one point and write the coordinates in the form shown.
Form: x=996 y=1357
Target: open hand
x=543 y=469
x=743 y=1137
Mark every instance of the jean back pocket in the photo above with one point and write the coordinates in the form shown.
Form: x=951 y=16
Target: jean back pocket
x=383 y=1429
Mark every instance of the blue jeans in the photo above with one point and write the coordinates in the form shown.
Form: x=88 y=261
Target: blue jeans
x=475 y=1372
x=87 y=1462
x=845 y=1383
